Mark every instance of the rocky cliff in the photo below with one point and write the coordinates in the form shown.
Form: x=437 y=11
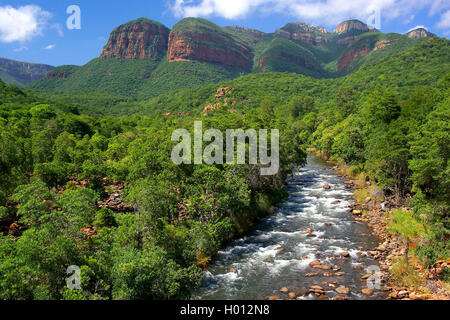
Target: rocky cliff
x=353 y=27
x=138 y=39
x=351 y=55
x=303 y=32
x=419 y=33
x=195 y=39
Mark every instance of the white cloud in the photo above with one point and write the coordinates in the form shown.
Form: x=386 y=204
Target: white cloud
x=50 y=47
x=22 y=23
x=58 y=29
x=417 y=27
x=327 y=12
x=20 y=49
x=444 y=23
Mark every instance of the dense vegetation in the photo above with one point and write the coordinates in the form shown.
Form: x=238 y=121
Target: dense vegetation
x=57 y=167
x=62 y=157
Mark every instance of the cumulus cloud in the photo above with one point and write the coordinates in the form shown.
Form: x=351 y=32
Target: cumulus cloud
x=327 y=12
x=22 y=23
x=50 y=47
x=444 y=23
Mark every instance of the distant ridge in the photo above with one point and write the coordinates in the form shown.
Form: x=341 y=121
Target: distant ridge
x=144 y=58
x=21 y=73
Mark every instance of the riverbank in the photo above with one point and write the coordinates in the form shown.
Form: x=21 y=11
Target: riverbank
x=402 y=272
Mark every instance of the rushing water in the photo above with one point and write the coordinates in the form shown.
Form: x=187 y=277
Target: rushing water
x=278 y=252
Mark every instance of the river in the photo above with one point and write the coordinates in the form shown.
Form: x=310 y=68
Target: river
x=278 y=252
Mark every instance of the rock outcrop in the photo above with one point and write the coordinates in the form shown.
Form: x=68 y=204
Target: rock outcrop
x=419 y=33
x=303 y=32
x=353 y=27
x=207 y=42
x=350 y=56
x=248 y=31
x=138 y=39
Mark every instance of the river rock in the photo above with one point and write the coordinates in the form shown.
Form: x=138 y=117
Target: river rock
x=310 y=275
x=366 y=276
x=316 y=289
x=357 y=212
x=403 y=294
x=284 y=290
x=345 y=254
x=273 y=298
x=367 y=292
x=292 y=295
x=322 y=267
x=314 y=263
x=327 y=187
x=343 y=290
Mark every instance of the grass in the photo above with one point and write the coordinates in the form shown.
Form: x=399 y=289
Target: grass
x=406 y=274
x=407 y=225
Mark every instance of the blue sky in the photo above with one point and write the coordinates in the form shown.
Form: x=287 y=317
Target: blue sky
x=36 y=30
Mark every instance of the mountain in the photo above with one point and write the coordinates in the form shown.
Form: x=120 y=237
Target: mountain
x=194 y=39
x=21 y=73
x=138 y=39
x=144 y=59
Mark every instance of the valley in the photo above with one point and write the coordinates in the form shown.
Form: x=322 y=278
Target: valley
x=88 y=180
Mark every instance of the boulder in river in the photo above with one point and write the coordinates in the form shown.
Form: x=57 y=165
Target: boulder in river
x=314 y=263
x=292 y=295
x=367 y=292
x=327 y=187
x=309 y=275
x=343 y=290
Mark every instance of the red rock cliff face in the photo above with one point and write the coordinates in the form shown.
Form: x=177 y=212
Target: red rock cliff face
x=139 y=39
x=208 y=48
x=350 y=56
